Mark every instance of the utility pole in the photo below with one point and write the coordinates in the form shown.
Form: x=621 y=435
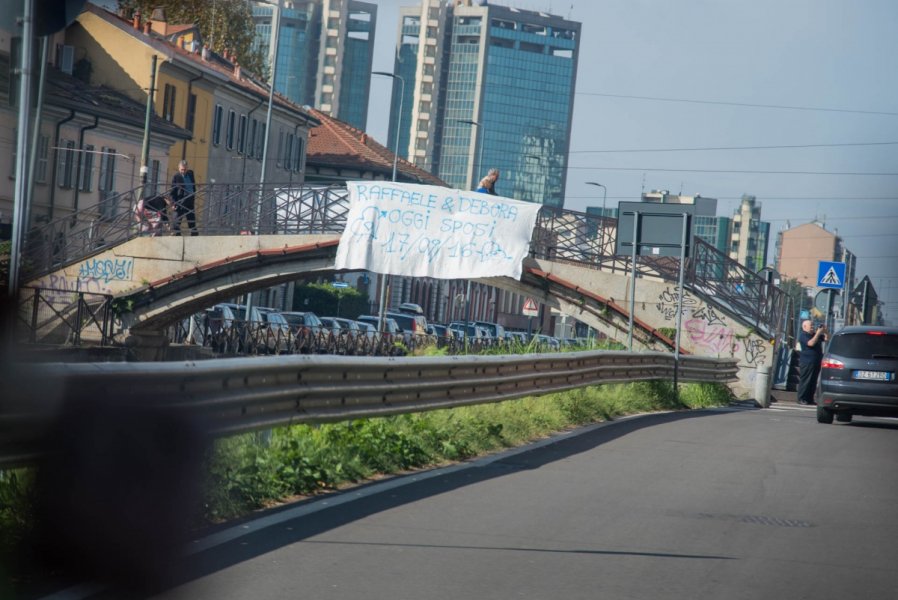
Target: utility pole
x=145 y=152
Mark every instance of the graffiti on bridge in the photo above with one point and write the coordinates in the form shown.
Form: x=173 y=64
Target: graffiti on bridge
x=714 y=338
x=755 y=351
x=668 y=300
x=107 y=269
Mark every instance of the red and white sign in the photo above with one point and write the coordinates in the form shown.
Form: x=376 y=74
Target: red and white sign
x=530 y=308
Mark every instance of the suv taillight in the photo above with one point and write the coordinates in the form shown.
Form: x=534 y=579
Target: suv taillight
x=831 y=363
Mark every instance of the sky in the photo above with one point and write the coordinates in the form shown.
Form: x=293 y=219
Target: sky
x=794 y=102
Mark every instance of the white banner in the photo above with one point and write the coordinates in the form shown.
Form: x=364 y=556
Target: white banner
x=430 y=231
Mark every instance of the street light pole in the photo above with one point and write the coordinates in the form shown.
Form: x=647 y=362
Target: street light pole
x=480 y=147
x=382 y=321
x=604 y=198
x=273 y=57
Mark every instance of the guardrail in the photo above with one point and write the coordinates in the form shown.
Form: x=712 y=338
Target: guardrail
x=227 y=396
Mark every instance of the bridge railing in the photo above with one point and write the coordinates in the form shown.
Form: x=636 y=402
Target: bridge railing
x=63 y=317
x=589 y=240
x=284 y=208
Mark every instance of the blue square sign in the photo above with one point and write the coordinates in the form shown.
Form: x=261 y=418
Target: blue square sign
x=831 y=275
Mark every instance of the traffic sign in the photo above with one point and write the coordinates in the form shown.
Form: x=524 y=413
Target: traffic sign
x=340 y=284
x=530 y=309
x=831 y=275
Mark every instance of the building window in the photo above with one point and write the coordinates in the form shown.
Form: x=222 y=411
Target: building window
x=168 y=103
x=288 y=152
x=298 y=154
x=251 y=142
x=106 y=183
x=190 y=120
x=280 y=155
x=86 y=169
x=65 y=165
x=229 y=134
x=216 y=124
x=155 y=187
x=43 y=159
x=241 y=135
x=12 y=70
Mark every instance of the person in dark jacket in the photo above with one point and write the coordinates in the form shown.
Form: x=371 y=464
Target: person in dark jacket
x=183 y=194
x=811 y=342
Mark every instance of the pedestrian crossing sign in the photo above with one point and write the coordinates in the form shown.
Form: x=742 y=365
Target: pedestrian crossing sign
x=831 y=275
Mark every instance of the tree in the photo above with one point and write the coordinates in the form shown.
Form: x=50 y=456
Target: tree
x=224 y=25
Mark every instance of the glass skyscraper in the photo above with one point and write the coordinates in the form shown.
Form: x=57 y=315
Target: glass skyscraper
x=325 y=52
x=488 y=86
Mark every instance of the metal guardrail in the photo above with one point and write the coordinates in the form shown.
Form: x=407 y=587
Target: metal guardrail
x=227 y=396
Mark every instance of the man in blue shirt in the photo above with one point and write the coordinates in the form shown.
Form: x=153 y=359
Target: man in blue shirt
x=811 y=342
x=183 y=192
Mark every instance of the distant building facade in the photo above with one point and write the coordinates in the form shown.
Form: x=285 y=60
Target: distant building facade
x=325 y=53
x=487 y=86
x=800 y=249
x=749 y=235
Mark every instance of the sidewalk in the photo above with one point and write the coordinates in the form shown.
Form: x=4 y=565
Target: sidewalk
x=784 y=397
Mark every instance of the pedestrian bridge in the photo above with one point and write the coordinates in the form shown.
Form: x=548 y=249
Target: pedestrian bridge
x=728 y=311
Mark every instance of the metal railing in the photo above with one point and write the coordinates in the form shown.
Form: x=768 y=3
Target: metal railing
x=63 y=317
x=279 y=208
x=227 y=396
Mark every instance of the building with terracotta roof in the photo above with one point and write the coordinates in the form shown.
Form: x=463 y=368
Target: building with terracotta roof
x=89 y=142
x=340 y=152
x=209 y=95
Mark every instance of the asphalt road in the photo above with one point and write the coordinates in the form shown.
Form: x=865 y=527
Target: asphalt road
x=730 y=504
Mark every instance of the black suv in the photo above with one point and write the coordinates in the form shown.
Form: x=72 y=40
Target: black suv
x=858 y=374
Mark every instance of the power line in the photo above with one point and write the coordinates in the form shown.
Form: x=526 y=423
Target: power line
x=743 y=171
x=717 y=148
x=740 y=104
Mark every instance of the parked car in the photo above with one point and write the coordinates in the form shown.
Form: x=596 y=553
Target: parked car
x=495 y=331
x=413 y=325
x=391 y=326
x=411 y=308
x=367 y=329
x=307 y=328
x=299 y=320
x=859 y=374
x=475 y=332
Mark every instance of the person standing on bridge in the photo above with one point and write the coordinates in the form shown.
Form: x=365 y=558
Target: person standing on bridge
x=183 y=193
x=487 y=185
x=811 y=342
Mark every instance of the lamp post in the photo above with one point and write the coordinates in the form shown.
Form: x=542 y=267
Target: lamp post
x=479 y=144
x=383 y=288
x=604 y=198
x=273 y=58
x=398 y=116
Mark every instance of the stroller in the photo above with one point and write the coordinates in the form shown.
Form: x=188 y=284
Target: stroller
x=150 y=215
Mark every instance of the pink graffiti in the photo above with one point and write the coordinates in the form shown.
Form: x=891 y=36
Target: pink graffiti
x=715 y=338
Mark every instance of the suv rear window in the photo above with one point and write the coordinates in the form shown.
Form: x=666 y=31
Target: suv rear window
x=864 y=345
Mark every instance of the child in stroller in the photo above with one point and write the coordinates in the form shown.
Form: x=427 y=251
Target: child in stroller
x=150 y=214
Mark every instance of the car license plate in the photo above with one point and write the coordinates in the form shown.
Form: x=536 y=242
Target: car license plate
x=872 y=375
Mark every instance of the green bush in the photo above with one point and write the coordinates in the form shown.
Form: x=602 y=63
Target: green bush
x=249 y=472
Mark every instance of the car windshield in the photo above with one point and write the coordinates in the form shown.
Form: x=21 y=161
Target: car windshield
x=865 y=345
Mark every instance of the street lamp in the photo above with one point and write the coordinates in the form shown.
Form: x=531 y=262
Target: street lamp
x=604 y=198
x=398 y=116
x=480 y=144
x=383 y=288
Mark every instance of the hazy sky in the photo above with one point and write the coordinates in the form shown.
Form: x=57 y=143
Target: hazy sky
x=717 y=80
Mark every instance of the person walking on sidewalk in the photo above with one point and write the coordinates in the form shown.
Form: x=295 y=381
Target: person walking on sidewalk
x=811 y=342
x=183 y=193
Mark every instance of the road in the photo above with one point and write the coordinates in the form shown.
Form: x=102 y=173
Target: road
x=731 y=504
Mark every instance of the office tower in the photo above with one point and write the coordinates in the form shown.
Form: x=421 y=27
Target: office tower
x=487 y=86
x=749 y=235
x=325 y=52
